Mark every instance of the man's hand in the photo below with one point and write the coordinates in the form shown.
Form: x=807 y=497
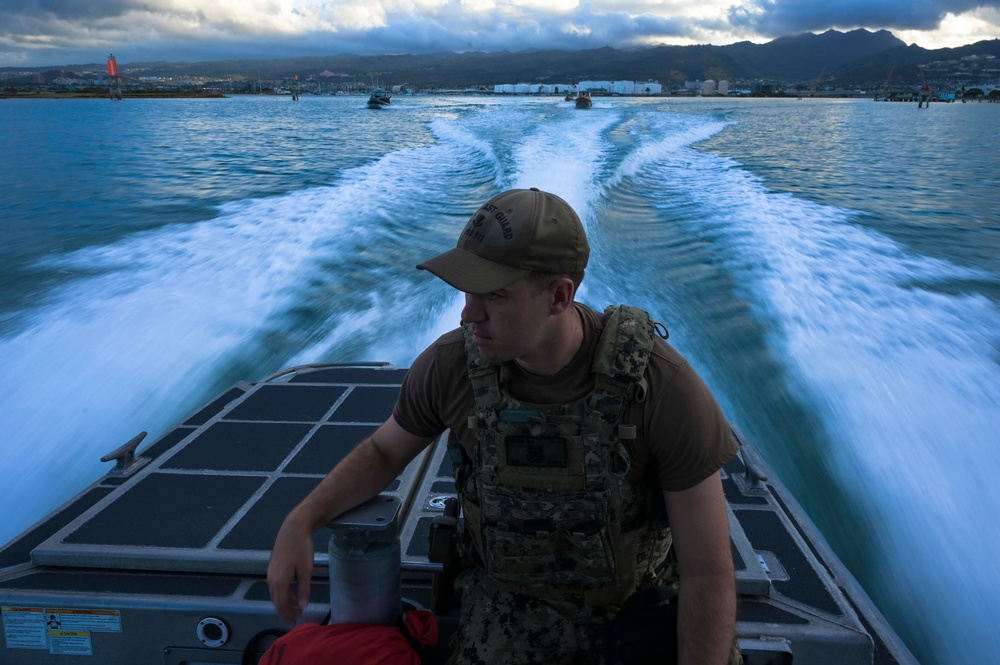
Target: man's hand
x=291 y=560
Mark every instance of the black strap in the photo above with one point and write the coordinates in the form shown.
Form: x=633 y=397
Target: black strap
x=254 y=643
x=650 y=597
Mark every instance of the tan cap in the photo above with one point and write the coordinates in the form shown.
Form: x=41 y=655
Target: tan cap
x=513 y=233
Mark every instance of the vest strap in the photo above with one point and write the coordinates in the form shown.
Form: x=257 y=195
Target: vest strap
x=483 y=375
x=620 y=360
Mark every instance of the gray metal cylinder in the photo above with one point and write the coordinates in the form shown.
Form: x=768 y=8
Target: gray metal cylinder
x=365 y=557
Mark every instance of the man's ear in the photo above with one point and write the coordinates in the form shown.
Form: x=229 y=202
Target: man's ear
x=562 y=292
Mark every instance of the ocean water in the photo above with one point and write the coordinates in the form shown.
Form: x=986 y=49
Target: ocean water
x=831 y=268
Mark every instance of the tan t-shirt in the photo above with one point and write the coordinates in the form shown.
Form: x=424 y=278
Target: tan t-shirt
x=683 y=436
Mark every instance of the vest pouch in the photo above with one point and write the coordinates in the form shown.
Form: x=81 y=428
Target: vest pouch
x=569 y=548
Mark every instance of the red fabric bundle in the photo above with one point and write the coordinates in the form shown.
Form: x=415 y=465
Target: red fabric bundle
x=353 y=643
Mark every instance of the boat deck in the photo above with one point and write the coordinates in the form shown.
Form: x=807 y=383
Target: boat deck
x=131 y=568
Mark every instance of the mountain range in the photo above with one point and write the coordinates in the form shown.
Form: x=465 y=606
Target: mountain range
x=858 y=57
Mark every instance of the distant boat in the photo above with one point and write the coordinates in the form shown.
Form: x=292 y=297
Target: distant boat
x=570 y=97
x=583 y=101
x=379 y=99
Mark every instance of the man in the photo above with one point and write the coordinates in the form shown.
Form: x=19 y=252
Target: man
x=570 y=432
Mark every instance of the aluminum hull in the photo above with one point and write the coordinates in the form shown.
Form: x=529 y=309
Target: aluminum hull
x=130 y=569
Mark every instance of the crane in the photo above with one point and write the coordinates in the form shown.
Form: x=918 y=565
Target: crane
x=812 y=90
x=888 y=79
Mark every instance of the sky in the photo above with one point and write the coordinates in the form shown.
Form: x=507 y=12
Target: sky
x=61 y=32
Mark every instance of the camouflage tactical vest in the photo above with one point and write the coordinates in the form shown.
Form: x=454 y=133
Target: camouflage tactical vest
x=546 y=504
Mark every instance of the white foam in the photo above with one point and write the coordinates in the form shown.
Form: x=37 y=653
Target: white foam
x=904 y=376
x=111 y=353
x=133 y=341
x=660 y=136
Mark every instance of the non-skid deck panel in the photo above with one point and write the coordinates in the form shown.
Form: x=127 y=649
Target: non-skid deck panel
x=208 y=411
x=445 y=469
x=368 y=404
x=739 y=563
x=351 y=375
x=213 y=500
x=242 y=446
x=735 y=466
x=164 y=443
x=810 y=545
x=19 y=551
x=256 y=528
x=752 y=611
x=169 y=510
x=326 y=447
x=767 y=533
x=288 y=403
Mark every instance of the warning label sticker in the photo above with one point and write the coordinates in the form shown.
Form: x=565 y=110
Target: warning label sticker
x=24 y=627
x=96 y=621
x=68 y=643
x=60 y=630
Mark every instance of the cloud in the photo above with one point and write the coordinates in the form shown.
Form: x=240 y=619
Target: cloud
x=504 y=29
x=38 y=32
x=190 y=29
x=774 y=18
x=64 y=9
x=975 y=26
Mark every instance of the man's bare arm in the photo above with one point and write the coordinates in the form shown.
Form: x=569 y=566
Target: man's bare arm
x=366 y=471
x=707 y=605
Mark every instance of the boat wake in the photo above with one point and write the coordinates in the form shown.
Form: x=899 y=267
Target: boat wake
x=791 y=310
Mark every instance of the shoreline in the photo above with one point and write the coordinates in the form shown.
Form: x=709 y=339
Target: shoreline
x=195 y=94
x=200 y=94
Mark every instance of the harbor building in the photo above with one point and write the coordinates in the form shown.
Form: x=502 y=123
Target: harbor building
x=593 y=87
